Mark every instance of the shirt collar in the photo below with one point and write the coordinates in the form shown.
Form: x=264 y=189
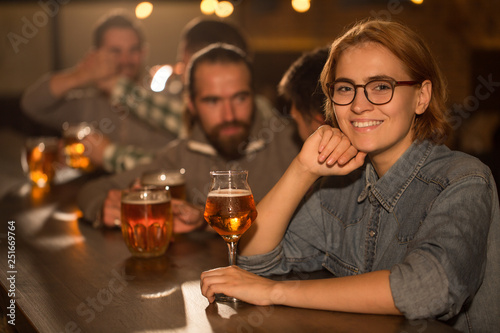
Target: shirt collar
x=388 y=189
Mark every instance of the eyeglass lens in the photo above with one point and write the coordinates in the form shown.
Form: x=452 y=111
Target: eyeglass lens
x=377 y=92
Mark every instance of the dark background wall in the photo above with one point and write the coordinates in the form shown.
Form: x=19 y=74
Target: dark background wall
x=463 y=34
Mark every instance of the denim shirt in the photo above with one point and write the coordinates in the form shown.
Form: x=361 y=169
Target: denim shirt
x=433 y=220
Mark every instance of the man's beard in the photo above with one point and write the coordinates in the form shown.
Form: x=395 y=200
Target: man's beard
x=230 y=147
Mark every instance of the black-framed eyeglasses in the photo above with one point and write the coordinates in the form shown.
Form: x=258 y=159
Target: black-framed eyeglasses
x=378 y=92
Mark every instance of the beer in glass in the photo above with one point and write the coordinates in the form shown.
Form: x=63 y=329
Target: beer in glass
x=146 y=221
x=230 y=211
x=74 y=149
x=41 y=156
x=172 y=180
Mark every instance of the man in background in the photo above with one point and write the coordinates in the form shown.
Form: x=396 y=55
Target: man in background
x=105 y=89
x=227 y=131
x=81 y=93
x=165 y=110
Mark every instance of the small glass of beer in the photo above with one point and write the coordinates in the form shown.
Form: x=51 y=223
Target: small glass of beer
x=172 y=180
x=146 y=221
x=41 y=156
x=74 y=149
x=230 y=211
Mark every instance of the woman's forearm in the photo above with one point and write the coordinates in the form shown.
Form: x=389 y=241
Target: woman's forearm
x=320 y=156
x=275 y=211
x=364 y=293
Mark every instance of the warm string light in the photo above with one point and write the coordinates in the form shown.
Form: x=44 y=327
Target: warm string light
x=219 y=8
x=143 y=10
x=301 y=6
x=160 y=78
x=224 y=9
x=208 y=6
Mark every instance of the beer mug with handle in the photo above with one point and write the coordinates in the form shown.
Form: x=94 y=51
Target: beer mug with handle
x=146 y=216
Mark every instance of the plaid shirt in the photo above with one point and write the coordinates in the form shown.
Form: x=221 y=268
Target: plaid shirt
x=156 y=109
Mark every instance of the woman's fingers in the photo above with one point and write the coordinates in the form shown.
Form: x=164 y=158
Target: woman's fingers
x=333 y=145
x=326 y=133
x=236 y=282
x=212 y=281
x=336 y=147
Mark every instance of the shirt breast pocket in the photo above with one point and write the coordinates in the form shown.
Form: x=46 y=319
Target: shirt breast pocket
x=342 y=210
x=410 y=214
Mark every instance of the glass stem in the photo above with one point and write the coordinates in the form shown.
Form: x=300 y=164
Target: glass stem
x=231 y=246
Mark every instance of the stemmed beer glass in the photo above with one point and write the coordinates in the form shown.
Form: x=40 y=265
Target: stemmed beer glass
x=230 y=210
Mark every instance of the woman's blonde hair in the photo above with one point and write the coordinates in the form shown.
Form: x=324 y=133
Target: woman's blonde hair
x=406 y=45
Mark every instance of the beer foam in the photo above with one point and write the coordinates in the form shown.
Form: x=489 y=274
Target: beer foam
x=163 y=178
x=229 y=193
x=144 y=202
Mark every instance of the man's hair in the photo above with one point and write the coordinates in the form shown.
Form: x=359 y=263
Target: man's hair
x=116 y=19
x=200 y=33
x=216 y=53
x=300 y=84
x=415 y=55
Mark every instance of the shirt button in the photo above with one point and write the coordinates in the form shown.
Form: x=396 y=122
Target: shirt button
x=372 y=233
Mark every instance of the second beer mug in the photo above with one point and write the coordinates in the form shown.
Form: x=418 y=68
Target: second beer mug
x=74 y=149
x=41 y=156
x=173 y=180
x=146 y=216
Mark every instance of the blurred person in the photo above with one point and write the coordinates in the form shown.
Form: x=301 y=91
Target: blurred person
x=227 y=130
x=414 y=232
x=165 y=110
x=81 y=93
x=302 y=92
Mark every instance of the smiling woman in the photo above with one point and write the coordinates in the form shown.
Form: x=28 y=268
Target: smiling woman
x=381 y=121
x=414 y=232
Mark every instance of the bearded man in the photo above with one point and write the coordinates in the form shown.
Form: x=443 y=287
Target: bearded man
x=226 y=131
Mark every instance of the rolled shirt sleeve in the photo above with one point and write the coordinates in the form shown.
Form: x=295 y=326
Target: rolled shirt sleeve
x=301 y=250
x=445 y=264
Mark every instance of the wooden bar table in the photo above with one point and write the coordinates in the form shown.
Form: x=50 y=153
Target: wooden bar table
x=66 y=276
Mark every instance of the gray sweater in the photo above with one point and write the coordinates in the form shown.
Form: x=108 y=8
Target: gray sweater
x=90 y=105
x=270 y=150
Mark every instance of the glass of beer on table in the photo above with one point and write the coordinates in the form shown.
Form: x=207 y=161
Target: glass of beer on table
x=74 y=149
x=41 y=156
x=146 y=220
x=172 y=180
x=230 y=211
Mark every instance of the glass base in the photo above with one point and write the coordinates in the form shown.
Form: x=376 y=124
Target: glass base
x=226 y=299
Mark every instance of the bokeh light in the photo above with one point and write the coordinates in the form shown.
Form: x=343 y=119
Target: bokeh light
x=301 y=6
x=224 y=9
x=208 y=6
x=160 y=78
x=143 y=10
